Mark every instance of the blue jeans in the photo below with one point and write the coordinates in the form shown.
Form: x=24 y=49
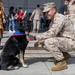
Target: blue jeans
x=11 y=23
x=16 y=24
x=41 y=26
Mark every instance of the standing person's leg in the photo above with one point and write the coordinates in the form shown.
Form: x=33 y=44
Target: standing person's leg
x=10 y=26
x=17 y=24
x=34 y=26
x=13 y=25
x=57 y=46
x=38 y=25
x=42 y=26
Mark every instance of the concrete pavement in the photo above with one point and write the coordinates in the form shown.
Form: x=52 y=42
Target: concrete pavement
x=39 y=61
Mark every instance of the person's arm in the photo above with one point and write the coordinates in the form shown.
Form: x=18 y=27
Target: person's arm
x=53 y=31
x=32 y=15
x=65 y=13
x=1 y=4
x=65 y=10
x=4 y=20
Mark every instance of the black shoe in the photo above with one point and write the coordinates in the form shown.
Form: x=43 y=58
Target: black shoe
x=1 y=47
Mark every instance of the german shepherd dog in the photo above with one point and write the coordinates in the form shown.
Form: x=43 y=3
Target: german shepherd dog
x=14 y=46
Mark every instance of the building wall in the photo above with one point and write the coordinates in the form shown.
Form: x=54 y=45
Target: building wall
x=28 y=5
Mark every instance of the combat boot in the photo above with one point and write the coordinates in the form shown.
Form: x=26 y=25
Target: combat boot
x=37 y=31
x=34 y=31
x=61 y=65
x=66 y=55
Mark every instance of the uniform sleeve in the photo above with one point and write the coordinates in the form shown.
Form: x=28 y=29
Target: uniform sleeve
x=70 y=4
x=53 y=31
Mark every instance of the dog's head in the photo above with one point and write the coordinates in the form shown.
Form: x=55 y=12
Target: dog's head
x=23 y=26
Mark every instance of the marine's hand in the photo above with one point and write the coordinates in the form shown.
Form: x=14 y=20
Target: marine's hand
x=29 y=37
x=36 y=44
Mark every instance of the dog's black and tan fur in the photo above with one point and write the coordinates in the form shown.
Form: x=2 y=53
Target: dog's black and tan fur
x=14 y=46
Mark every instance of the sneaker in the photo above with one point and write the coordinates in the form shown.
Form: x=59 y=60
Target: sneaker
x=61 y=65
x=10 y=31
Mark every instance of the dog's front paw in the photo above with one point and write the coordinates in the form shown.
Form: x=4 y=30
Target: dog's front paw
x=25 y=65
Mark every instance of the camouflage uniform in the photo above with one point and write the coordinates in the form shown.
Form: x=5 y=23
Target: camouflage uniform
x=71 y=8
x=60 y=37
x=71 y=13
x=36 y=18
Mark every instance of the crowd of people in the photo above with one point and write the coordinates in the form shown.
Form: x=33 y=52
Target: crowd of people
x=37 y=18
x=15 y=17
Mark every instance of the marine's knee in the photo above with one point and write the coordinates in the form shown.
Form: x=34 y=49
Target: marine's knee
x=50 y=43
x=47 y=43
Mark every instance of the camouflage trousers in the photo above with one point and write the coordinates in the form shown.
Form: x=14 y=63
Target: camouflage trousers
x=36 y=24
x=58 y=45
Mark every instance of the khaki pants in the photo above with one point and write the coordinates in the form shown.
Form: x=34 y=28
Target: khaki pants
x=58 y=45
x=36 y=24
